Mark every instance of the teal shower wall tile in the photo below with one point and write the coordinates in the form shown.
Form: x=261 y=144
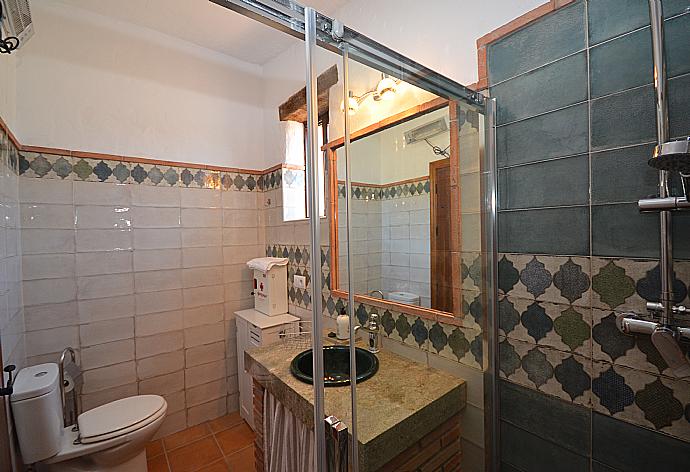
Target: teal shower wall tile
x=609 y=18
x=553 y=37
x=622 y=63
x=623 y=119
x=559 y=133
x=566 y=424
x=622 y=175
x=529 y=452
x=551 y=87
x=679 y=106
x=624 y=446
x=599 y=467
x=551 y=183
x=541 y=231
x=621 y=230
x=677 y=42
x=675 y=7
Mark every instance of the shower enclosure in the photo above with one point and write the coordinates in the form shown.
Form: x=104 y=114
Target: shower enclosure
x=410 y=198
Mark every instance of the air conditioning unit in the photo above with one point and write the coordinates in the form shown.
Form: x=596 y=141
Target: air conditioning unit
x=426 y=131
x=16 y=20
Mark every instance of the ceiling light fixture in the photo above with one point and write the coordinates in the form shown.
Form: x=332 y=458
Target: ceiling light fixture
x=385 y=90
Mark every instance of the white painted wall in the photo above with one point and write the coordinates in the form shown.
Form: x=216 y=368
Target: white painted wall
x=8 y=91
x=91 y=83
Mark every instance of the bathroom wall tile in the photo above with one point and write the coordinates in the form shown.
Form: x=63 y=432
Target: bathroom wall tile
x=95 y=240
x=201 y=256
x=97 y=193
x=159 y=365
x=240 y=236
x=157 y=302
x=555 y=36
x=678 y=102
x=163 y=385
x=628 y=169
x=611 y=123
x=47 y=241
x=45 y=166
x=172 y=424
x=96 y=170
x=159 y=259
x=157 y=280
x=564 y=280
x=162 y=343
x=554 y=86
x=106 y=378
x=561 y=327
x=40 y=292
x=201 y=374
x=654 y=402
x=517 y=446
x=106 y=308
x=106 y=354
x=623 y=63
x=155 y=217
x=552 y=183
x=51 y=340
x=563 y=423
x=620 y=230
x=460 y=344
x=57 y=192
x=558 y=133
x=240 y=218
x=626 y=447
x=144 y=195
x=200 y=198
x=101 y=286
x=606 y=20
x=538 y=231
x=206 y=392
x=553 y=372
x=106 y=331
x=99 y=263
x=103 y=217
x=674 y=7
x=159 y=238
x=618 y=283
x=156 y=323
x=206 y=411
x=203 y=334
x=204 y=354
x=202 y=276
x=93 y=400
x=51 y=315
x=676 y=44
x=48 y=266
x=201 y=237
x=241 y=200
x=203 y=315
x=43 y=215
x=201 y=217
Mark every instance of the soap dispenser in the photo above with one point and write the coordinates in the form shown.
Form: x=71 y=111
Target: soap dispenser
x=342 y=325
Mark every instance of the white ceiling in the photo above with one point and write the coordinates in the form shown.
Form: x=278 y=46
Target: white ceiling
x=204 y=24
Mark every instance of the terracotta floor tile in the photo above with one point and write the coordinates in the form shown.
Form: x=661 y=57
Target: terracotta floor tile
x=158 y=464
x=225 y=422
x=220 y=466
x=154 y=449
x=186 y=436
x=236 y=438
x=194 y=456
x=242 y=461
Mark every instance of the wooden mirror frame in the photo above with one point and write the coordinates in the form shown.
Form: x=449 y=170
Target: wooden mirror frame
x=331 y=149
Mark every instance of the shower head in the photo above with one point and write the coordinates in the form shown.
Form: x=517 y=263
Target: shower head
x=672 y=156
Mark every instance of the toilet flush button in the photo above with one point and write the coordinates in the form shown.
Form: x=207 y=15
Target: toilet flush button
x=41 y=374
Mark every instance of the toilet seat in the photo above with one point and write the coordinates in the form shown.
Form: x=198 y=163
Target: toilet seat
x=119 y=417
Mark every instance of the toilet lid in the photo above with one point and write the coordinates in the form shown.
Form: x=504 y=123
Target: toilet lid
x=118 y=415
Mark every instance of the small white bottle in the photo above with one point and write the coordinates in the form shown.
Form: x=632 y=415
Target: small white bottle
x=342 y=323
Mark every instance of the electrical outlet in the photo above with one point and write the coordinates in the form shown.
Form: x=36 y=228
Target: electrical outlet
x=300 y=281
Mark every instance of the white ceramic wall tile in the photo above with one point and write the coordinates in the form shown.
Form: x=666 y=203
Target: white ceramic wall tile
x=93 y=400
x=157 y=280
x=102 y=355
x=207 y=411
x=201 y=256
x=145 y=195
x=48 y=216
x=102 y=286
x=156 y=323
x=99 y=193
x=94 y=240
x=45 y=191
x=200 y=198
x=242 y=200
x=101 y=263
x=163 y=385
x=52 y=315
x=39 y=292
x=203 y=315
x=160 y=364
x=158 y=259
x=204 y=373
x=103 y=217
x=243 y=218
x=48 y=266
x=206 y=392
x=106 y=331
x=202 y=276
x=203 y=334
x=51 y=340
x=201 y=237
x=104 y=309
x=157 y=302
x=159 y=238
x=47 y=241
x=105 y=378
x=201 y=218
x=155 y=217
x=148 y=346
x=204 y=354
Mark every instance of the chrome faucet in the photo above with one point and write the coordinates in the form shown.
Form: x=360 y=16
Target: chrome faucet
x=373 y=329
x=379 y=292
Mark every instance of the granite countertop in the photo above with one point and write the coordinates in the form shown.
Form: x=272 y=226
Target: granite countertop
x=399 y=405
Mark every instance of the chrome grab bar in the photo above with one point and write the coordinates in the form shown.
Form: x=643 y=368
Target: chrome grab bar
x=61 y=367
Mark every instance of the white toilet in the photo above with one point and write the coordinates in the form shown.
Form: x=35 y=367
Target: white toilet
x=111 y=437
x=405 y=297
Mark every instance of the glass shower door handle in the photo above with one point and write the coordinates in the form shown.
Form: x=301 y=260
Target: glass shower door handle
x=336 y=445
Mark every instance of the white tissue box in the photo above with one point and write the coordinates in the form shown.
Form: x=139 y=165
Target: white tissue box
x=270 y=291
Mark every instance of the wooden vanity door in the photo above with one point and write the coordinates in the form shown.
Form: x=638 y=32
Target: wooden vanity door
x=441 y=278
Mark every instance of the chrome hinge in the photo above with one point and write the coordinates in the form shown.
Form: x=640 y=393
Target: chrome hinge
x=336 y=445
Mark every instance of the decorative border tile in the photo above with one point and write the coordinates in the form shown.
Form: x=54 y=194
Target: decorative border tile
x=545 y=278
x=48 y=166
x=9 y=155
x=388 y=192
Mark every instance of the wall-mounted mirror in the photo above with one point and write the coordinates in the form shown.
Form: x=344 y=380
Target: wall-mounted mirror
x=406 y=212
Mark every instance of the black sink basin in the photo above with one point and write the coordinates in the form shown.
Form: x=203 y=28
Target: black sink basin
x=336 y=360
